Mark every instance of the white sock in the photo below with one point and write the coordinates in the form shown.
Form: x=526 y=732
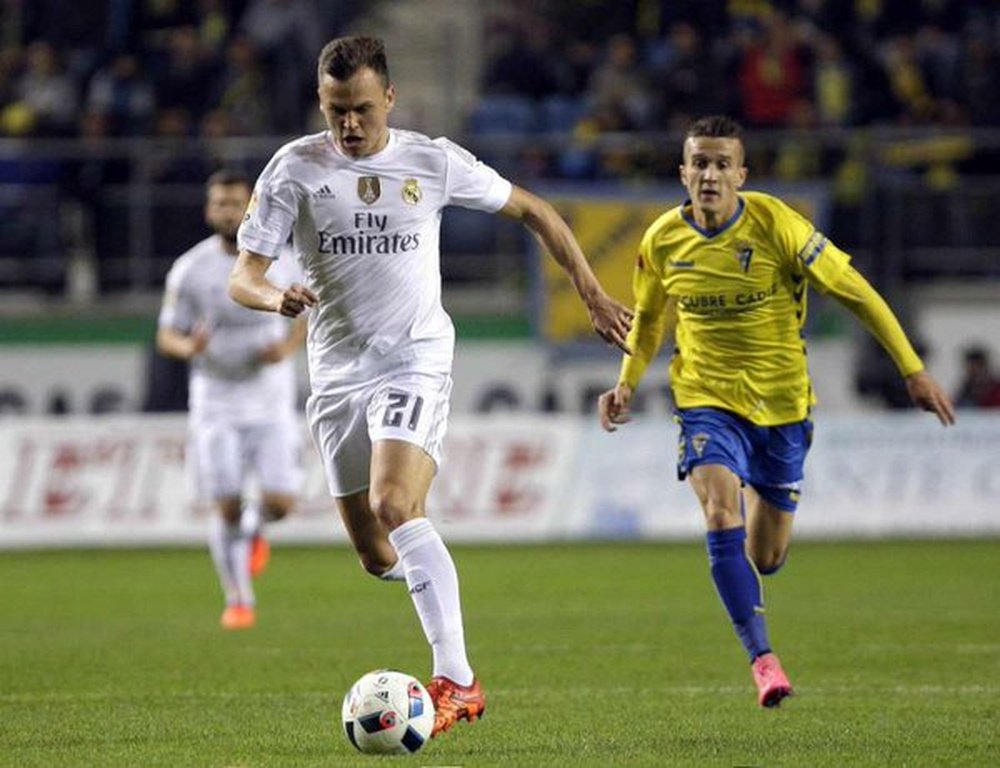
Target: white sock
x=395 y=572
x=240 y=554
x=220 y=537
x=250 y=519
x=433 y=584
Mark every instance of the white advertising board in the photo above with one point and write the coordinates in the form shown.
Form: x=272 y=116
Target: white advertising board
x=499 y=376
x=121 y=480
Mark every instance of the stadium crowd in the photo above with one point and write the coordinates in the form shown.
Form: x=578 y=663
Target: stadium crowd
x=645 y=65
x=240 y=67
x=161 y=67
x=591 y=85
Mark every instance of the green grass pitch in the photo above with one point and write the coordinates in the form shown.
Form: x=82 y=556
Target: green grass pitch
x=592 y=655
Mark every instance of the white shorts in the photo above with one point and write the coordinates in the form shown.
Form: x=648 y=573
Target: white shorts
x=407 y=406
x=224 y=455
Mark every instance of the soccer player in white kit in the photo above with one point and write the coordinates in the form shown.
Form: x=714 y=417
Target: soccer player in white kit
x=363 y=204
x=242 y=394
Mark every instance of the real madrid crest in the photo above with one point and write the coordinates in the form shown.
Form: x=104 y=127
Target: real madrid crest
x=369 y=189
x=411 y=192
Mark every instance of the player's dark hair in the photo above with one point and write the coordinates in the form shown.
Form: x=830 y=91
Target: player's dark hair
x=343 y=57
x=227 y=177
x=715 y=126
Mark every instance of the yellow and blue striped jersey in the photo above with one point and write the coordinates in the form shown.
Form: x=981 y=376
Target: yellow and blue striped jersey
x=740 y=297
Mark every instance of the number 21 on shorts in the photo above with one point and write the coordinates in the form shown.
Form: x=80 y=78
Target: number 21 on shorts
x=399 y=408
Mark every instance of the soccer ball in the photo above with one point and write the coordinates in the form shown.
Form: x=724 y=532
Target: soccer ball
x=387 y=713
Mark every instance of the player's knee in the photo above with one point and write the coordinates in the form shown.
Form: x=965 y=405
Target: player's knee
x=373 y=563
x=272 y=513
x=720 y=514
x=719 y=510
x=769 y=561
x=230 y=510
x=392 y=505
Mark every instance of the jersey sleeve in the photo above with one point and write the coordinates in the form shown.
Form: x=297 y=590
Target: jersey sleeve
x=178 y=311
x=471 y=183
x=829 y=269
x=854 y=292
x=819 y=259
x=650 y=321
x=272 y=211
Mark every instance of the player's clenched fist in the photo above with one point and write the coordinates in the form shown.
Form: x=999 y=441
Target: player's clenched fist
x=294 y=300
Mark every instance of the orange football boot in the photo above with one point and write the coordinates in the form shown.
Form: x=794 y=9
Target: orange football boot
x=238 y=617
x=454 y=702
x=260 y=555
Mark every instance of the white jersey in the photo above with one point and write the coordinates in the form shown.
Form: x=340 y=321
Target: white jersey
x=227 y=381
x=367 y=233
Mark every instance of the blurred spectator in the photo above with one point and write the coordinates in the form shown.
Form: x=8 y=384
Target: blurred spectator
x=288 y=34
x=521 y=63
x=183 y=74
x=689 y=79
x=833 y=84
x=10 y=63
x=48 y=91
x=980 y=386
x=121 y=92
x=214 y=25
x=242 y=91
x=619 y=85
x=915 y=103
x=771 y=74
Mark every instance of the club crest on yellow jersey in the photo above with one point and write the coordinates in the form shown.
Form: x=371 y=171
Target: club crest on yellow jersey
x=411 y=192
x=744 y=252
x=369 y=189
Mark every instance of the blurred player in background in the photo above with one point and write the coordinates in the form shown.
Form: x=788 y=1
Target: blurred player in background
x=725 y=274
x=363 y=204
x=242 y=394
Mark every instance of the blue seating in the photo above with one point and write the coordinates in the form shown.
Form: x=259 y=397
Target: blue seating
x=465 y=231
x=503 y=114
x=560 y=114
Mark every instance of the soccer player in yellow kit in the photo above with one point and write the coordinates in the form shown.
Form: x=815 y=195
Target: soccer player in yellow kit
x=725 y=274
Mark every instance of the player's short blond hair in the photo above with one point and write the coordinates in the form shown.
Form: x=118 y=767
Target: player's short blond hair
x=715 y=126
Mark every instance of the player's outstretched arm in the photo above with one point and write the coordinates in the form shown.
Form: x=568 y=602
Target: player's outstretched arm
x=611 y=320
x=249 y=286
x=857 y=294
